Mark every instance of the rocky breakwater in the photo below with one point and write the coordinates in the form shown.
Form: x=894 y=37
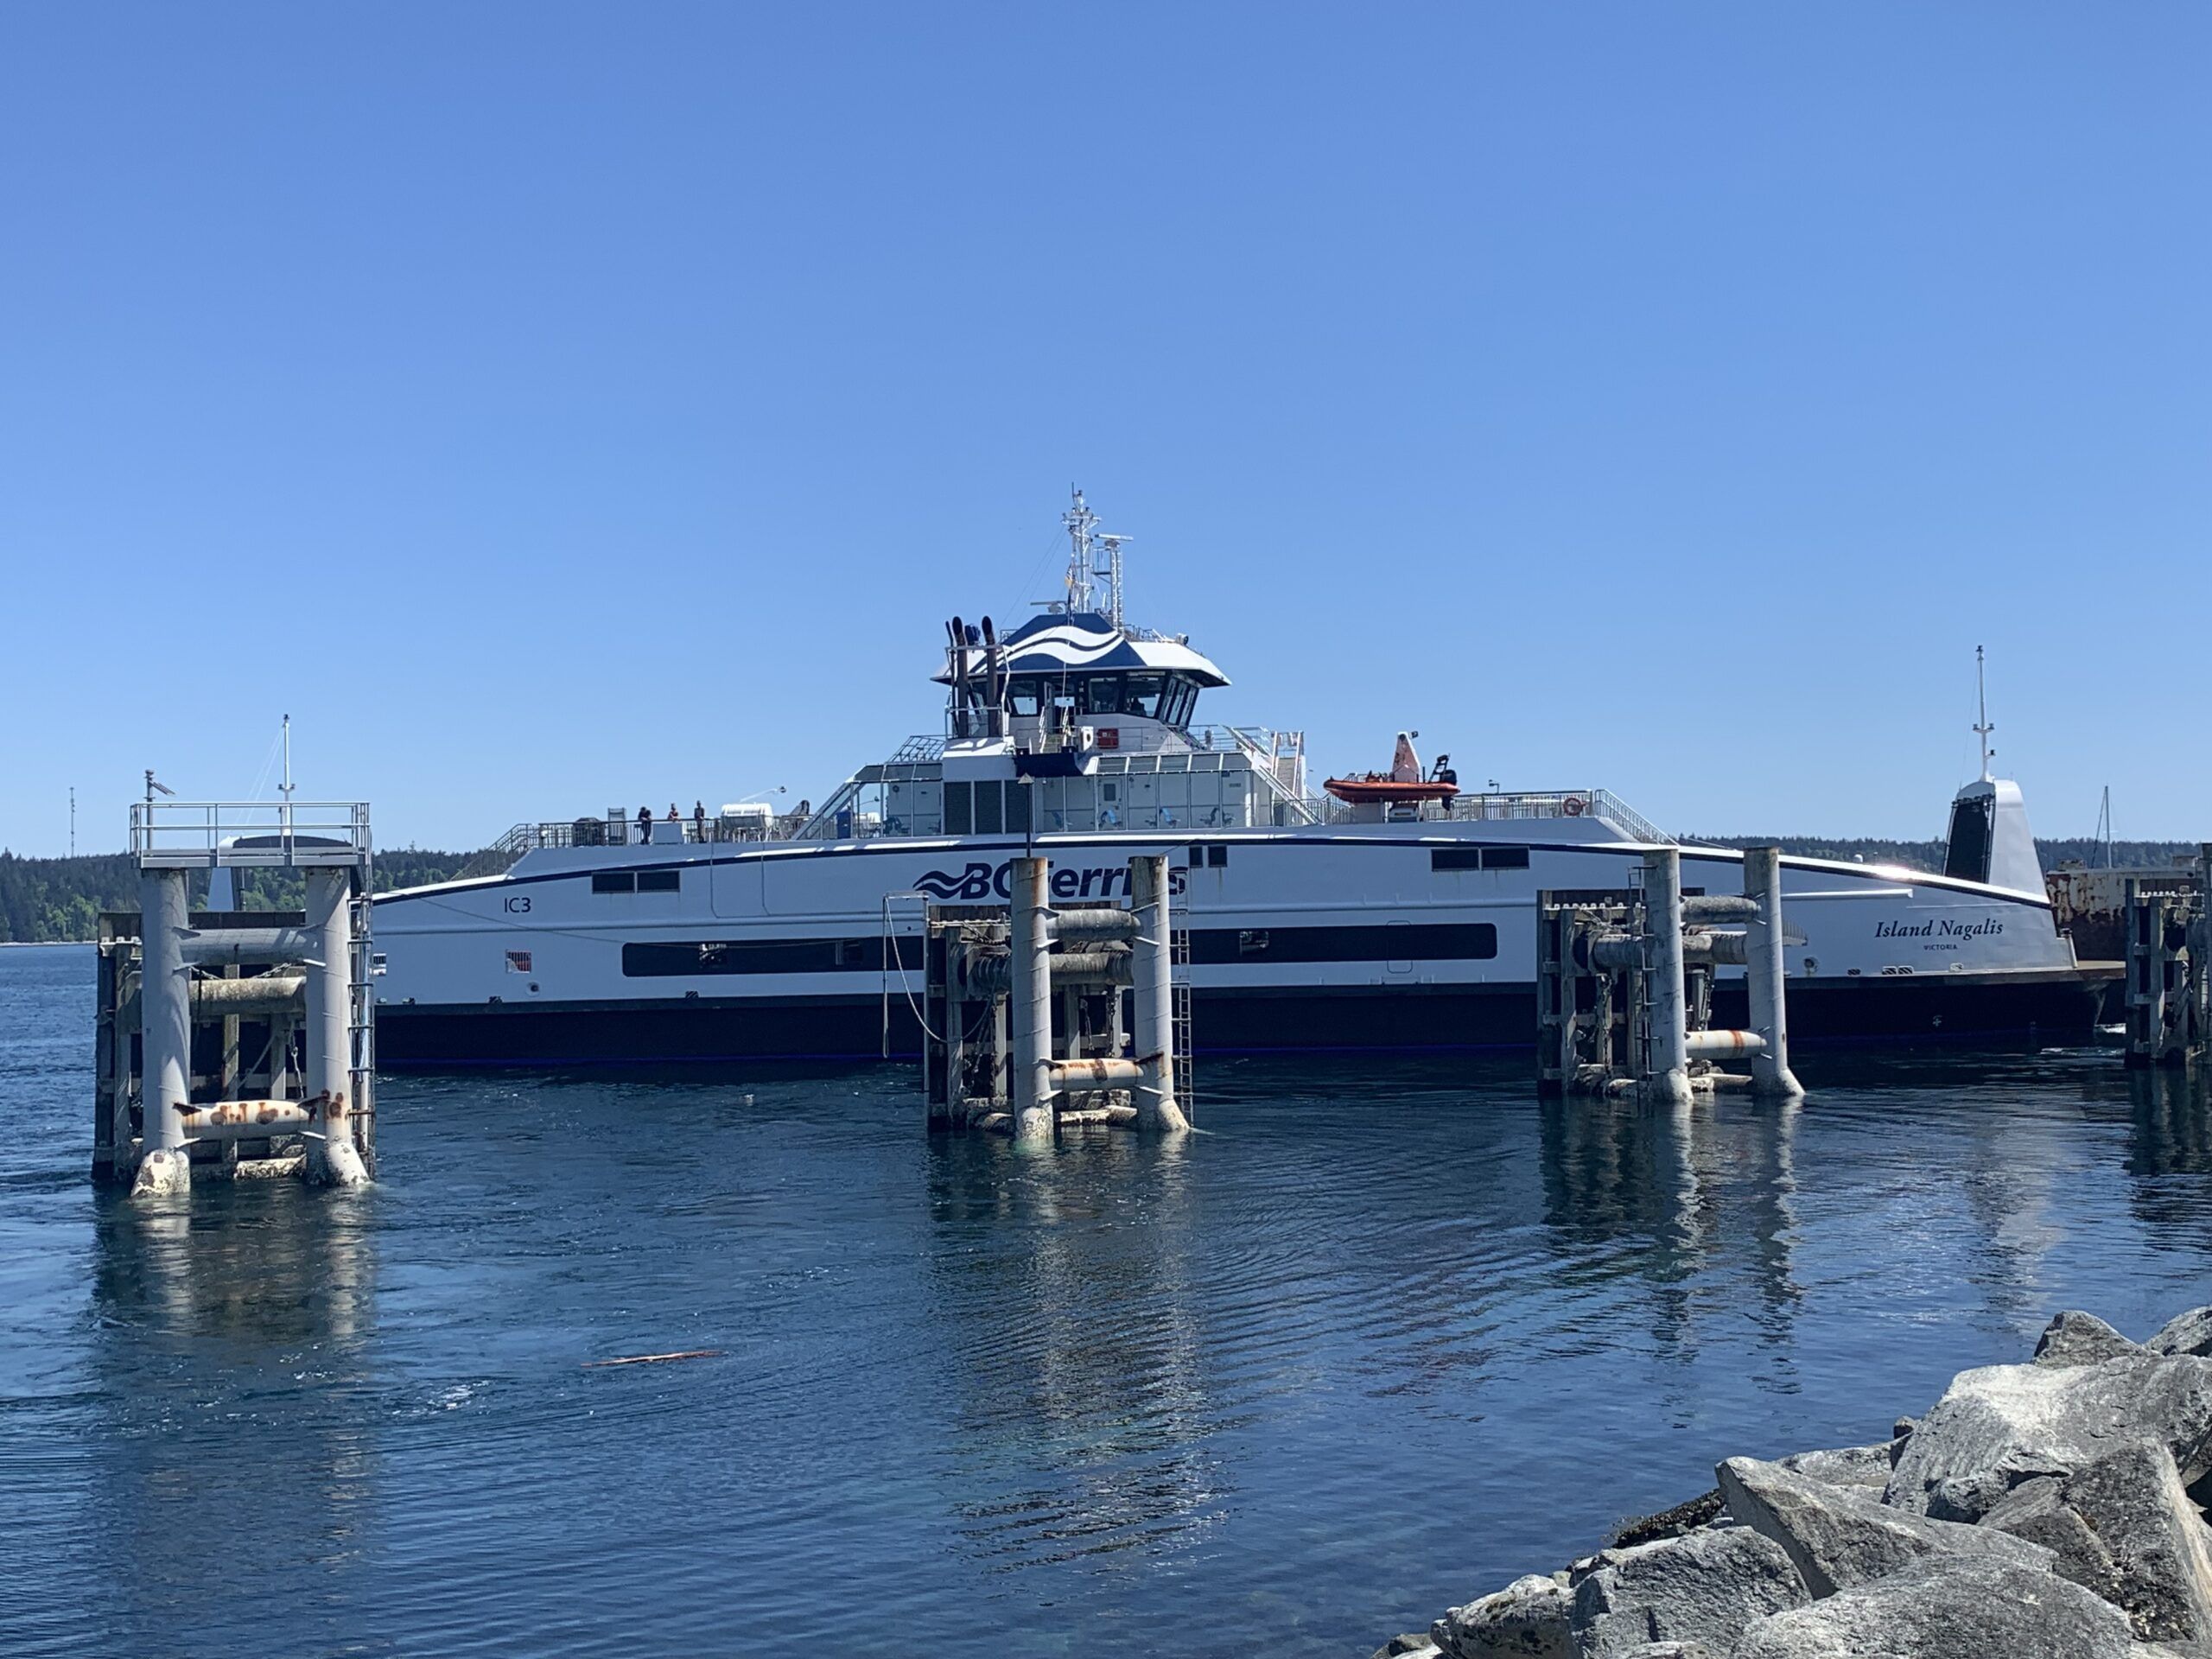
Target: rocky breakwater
x=2050 y=1510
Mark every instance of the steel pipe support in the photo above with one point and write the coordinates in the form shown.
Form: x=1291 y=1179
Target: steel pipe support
x=1069 y=925
x=256 y=944
x=1030 y=916
x=334 y=1160
x=1091 y=968
x=1721 y=1044
x=1667 y=1064
x=165 y=1020
x=1764 y=973
x=1158 y=1105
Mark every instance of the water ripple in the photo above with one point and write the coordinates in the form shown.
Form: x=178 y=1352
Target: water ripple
x=1380 y=1338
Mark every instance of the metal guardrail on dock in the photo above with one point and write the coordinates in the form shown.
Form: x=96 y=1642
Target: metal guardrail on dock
x=197 y=835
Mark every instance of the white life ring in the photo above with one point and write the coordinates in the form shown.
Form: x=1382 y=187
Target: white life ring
x=1572 y=806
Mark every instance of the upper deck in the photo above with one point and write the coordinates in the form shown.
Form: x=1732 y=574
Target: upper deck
x=1077 y=722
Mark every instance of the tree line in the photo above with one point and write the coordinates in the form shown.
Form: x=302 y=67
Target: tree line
x=47 y=899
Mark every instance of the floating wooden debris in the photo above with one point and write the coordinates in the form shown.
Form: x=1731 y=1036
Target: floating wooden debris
x=654 y=1359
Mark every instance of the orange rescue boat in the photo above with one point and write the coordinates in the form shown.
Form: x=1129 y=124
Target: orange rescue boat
x=1403 y=783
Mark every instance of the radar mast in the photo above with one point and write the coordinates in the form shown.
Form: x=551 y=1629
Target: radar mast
x=1982 y=727
x=1093 y=557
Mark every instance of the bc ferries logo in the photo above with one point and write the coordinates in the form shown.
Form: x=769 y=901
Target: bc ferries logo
x=980 y=881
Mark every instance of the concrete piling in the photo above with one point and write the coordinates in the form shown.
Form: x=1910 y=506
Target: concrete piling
x=1667 y=1061
x=1024 y=1016
x=1624 y=981
x=1152 y=977
x=254 y=982
x=1764 y=975
x=1031 y=914
x=165 y=1005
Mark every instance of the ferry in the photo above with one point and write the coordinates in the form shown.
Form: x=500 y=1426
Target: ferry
x=1388 y=911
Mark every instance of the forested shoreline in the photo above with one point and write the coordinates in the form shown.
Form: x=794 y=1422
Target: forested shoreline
x=58 y=899
x=46 y=900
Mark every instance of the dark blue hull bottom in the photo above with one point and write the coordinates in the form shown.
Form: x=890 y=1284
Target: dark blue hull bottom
x=1403 y=1019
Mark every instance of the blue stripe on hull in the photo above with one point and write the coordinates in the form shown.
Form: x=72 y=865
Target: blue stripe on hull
x=1407 y=1018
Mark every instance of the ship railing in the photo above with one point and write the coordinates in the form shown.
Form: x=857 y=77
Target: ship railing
x=922 y=747
x=1503 y=806
x=173 y=833
x=613 y=831
x=1278 y=759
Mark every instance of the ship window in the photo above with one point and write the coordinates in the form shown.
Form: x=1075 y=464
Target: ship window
x=613 y=881
x=1017 y=808
x=1479 y=858
x=1176 y=707
x=1025 y=694
x=1100 y=695
x=1969 y=858
x=960 y=809
x=660 y=881
x=1396 y=942
x=1217 y=856
x=990 y=816
x=1141 y=695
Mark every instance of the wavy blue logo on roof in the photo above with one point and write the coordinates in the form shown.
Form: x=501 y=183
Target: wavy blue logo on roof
x=980 y=882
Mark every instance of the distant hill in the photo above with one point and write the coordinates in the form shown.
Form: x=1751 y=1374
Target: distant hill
x=1929 y=854
x=60 y=898
x=46 y=899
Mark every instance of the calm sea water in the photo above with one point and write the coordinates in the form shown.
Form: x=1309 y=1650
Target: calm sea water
x=1384 y=1337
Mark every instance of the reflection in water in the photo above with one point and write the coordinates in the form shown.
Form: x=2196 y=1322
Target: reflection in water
x=1389 y=1332
x=1698 y=1199
x=1078 y=1355
x=2173 y=1121
x=233 y=1338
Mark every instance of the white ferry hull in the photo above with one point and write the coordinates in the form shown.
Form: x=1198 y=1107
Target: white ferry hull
x=1347 y=937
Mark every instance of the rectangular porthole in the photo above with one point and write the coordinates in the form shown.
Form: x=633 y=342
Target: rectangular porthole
x=613 y=881
x=1421 y=941
x=959 y=809
x=1217 y=856
x=660 y=881
x=1479 y=858
x=990 y=817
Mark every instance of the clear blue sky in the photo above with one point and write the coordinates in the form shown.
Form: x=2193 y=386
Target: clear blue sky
x=552 y=407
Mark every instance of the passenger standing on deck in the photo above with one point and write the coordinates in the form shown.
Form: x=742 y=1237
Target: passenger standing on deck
x=699 y=818
x=645 y=824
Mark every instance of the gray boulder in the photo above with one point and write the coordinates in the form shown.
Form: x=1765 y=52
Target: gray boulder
x=2002 y=1425
x=1528 y=1619
x=1699 y=1511
x=1948 y=1607
x=2077 y=1338
x=1852 y=1465
x=1705 y=1586
x=2187 y=1333
x=1839 y=1538
x=2122 y=1526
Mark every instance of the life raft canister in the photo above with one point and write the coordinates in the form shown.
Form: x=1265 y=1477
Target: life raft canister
x=1572 y=806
